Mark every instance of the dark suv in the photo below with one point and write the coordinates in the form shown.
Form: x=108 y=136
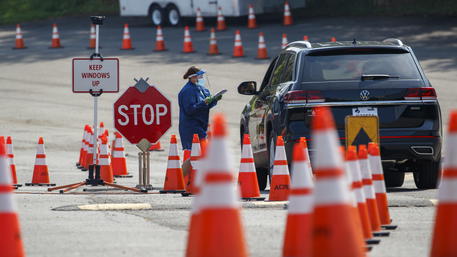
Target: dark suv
x=376 y=78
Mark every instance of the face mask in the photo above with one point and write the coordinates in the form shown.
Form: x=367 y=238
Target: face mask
x=201 y=82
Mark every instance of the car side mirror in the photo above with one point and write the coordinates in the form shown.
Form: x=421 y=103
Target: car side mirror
x=248 y=88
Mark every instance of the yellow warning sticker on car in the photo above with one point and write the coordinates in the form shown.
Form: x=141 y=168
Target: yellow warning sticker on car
x=361 y=130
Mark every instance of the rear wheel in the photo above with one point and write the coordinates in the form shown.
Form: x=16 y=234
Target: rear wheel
x=173 y=15
x=156 y=15
x=427 y=174
x=262 y=177
x=394 y=178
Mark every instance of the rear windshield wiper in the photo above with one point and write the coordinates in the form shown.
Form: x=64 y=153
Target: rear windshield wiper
x=377 y=76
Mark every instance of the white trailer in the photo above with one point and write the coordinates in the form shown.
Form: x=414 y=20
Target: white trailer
x=170 y=12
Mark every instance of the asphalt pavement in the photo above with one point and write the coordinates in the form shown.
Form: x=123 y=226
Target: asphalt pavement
x=36 y=100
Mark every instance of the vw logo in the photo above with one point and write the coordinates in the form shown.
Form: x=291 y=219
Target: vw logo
x=365 y=95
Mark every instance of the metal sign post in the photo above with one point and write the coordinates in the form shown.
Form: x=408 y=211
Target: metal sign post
x=144 y=167
x=88 y=73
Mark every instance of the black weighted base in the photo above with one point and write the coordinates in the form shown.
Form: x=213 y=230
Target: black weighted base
x=39 y=184
x=389 y=227
x=253 y=199
x=123 y=176
x=372 y=241
x=381 y=234
x=172 y=191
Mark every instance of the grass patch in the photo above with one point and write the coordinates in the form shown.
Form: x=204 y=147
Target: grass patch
x=15 y=11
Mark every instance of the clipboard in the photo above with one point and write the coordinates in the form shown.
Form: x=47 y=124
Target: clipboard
x=220 y=93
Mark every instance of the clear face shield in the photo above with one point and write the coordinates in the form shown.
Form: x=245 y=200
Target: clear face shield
x=203 y=80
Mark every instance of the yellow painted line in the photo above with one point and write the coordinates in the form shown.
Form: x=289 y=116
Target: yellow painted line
x=115 y=206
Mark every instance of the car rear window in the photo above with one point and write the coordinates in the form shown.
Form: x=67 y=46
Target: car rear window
x=337 y=67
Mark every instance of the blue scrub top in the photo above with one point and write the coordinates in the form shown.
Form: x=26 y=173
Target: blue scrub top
x=193 y=113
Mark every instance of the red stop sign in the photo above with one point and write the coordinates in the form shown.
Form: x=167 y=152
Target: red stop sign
x=142 y=112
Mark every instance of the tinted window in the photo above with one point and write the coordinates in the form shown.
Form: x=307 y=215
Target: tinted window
x=351 y=67
x=267 y=76
x=288 y=73
x=280 y=69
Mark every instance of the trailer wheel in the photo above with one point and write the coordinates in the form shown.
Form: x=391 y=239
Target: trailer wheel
x=173 y=15
x=156 y=15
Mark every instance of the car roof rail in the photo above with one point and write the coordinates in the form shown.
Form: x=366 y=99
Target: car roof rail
x=305 y=43
x=393 y=41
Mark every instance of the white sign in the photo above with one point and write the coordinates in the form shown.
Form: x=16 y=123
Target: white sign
x=96 y=75
x=365 y=111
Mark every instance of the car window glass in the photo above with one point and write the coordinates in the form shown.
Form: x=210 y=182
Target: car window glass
x=288 y=72
x=279 y=69
x=352 y=67
x=267 y=76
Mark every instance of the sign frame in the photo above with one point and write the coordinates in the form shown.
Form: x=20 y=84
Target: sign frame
x=88 y=59
x=347 y=127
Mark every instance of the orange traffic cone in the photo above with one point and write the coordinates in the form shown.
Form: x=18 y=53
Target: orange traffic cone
x=357 y=188
x=305 y=38
x=280 y=179
x=106 y=171
x=368 y=189
x=126 y=41
x=445 y=230
x=40 y=170
x=304 y=143
x=174 y=180
x=213 y=48
x=10 y=152
x=160 y=41
x=297 y=240
x=353 y=198
x=238 y=46
x=186 y=156
x=247 y=177
x=220 y=20
x=287 y=15
x=333 y=39
x=82 y=149
x=11 y=241
x=251 y=18
x=332 y=196
x=19 y=39
x=92 y=37
x=157 y=147
x=262 y=48
x=187 y=47
x=83 y=160
x=219 y=212
x=374 y=158
x=199 y=24
x=194 y=161
x=90 y=149
x=284 y=41
x=118 y=161
x=55 y=41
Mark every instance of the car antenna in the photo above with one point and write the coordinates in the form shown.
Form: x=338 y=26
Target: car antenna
x=354 y=42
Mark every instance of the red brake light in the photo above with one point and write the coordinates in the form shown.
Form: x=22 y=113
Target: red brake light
x=428 y=93
x=303 y=97
x=420 y=93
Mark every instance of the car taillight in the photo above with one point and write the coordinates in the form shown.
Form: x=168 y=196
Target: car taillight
x=302 y=97
x=428 y=93
x=420 y=93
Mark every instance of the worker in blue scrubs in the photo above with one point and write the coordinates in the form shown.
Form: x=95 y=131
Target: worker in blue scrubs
x=195 y=100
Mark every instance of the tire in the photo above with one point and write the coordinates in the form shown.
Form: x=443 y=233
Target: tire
x=271 y=153
x=394 y=178
x=262 y=177
x=173 y=16
x=156 y=15
x=427 y=174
